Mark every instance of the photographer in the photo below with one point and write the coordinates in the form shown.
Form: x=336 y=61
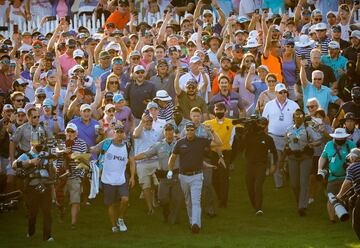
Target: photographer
x=335 y=153
x=352 y=179
x=37 y=187
x=300 y=141
x=259 y=143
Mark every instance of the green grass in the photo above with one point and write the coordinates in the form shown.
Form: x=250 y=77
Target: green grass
x=236 y=226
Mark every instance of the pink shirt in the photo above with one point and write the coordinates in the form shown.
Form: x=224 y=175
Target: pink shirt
x=66 y=63
x=62 y=9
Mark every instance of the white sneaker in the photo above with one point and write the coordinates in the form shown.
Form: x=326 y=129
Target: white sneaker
x=51 y=239
x=311 y=200
x=114 y=229
x=121 y=225
x=259 y=213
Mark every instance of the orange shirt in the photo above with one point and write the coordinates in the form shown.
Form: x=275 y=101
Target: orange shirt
x=118 y=19
x=274 y=65
x=215 y=86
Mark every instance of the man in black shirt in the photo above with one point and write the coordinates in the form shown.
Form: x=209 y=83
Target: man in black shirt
x=191 y=151
x=258 y=143
x=329 y=76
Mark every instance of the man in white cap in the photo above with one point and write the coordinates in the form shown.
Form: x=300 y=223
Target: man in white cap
x=322 y=38
x=208 y=15
x=279 y=112
x=139 y=93
x=166 y=105
x=334 y=154
x=197 y=73
x=334 y=59
x=73 y=183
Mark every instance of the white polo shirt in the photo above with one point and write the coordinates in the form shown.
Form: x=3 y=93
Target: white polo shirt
x=199 y=78
x=280 y=116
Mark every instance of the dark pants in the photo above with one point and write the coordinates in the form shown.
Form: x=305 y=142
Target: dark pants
x=221 y=178
x=356 y=217
x=35 y=202
x=255 y=177
x=170 y=197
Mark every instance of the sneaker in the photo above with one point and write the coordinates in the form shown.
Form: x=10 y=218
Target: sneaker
x=195 y=229
x=311 y=200
x=114 y=229
x=121 y=225
x=51 y=239
x=259 y=213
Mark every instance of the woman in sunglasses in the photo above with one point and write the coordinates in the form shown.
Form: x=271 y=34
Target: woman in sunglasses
x=113 y=84
x=108 y=121
x=267 y=95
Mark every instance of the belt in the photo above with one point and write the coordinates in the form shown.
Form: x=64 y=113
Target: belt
x=277 y=135
x=190 y=173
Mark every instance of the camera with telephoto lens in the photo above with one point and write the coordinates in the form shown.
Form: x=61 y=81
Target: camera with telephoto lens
x=249 y=124
x=322 y=175
x=9 y=201
x=340 y=210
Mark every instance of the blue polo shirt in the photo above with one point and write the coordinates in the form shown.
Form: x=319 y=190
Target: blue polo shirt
x=323 y=95
x=336 y=168
x=86 y=132
x=335 y=64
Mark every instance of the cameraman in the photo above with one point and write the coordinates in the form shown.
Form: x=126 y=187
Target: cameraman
x=37 y=188
x=256 y=154
x=352 y=179
x=335 y=153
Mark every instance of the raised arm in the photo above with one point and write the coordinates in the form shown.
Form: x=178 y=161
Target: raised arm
x=176 y=81
x=57 y=88
x=221 y=21
x=98 y=95
x=303 y=78
x=161 y=36
x=248 y=79
x=268 y=41
x=99 y=47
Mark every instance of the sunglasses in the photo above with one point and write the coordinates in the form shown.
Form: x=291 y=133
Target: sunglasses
x=140 y=72
x=191 y=45
x=117 y=62
x=289 y=46
x=190 y=129
x=318 y=19
x=36 y=117
x=111 y=110
x=37 y=47
x=135 y=58
x=317 y=79
x=283 y=92
x=113 y=82
x=311 y=106
x=41 y=96
x=70 y=131
x=271 y=81
x=249 y=61
x=20 y=100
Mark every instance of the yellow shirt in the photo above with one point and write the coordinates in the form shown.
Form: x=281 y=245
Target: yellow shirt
x=225 y=131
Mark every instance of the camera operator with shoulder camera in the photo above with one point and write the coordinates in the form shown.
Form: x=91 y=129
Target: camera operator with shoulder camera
x=258 y=144
x=352 y=182
x=38 y=186
x=335 y=153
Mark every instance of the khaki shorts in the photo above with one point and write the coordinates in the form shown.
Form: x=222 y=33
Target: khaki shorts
x=146 y=174
x=73 y=186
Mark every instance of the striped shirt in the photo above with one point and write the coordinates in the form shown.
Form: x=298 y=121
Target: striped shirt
x=79 y=146
x=167 y=112
x=353 y=175
x=324 y=46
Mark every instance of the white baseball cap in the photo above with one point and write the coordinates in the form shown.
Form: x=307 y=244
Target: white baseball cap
x=334 y=45
x=280 y=87
x=112 y=46
x=85 y=107
x=71 y=126
x=109 y=106
x=195 y=59
x=139 y=68
x=78 y=53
